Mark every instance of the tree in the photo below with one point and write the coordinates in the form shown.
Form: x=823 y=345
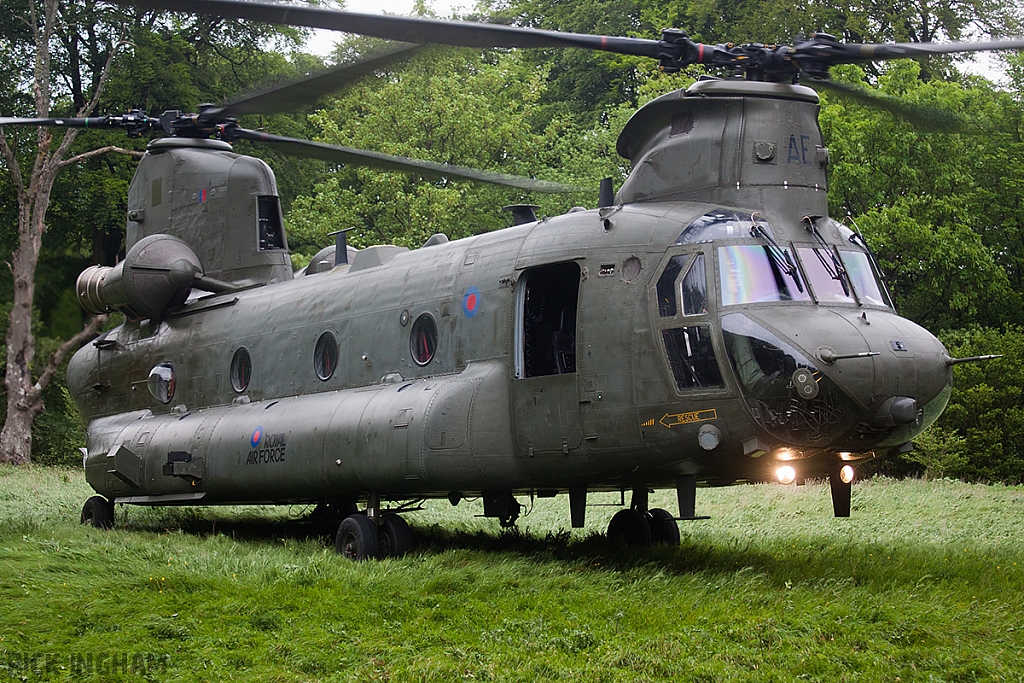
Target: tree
x=65 y=54
x=467 y=107
x=24 y=392
x=940 y=209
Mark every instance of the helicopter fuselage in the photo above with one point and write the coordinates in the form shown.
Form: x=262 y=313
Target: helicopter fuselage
x=712 y=329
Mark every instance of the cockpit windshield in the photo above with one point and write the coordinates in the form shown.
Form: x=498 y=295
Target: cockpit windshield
x=749 y=274
x=826 y=275
x=862 y=275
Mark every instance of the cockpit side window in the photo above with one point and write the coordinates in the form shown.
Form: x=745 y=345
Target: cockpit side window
x=692 y=358
x=667 y=303
x=695 y=288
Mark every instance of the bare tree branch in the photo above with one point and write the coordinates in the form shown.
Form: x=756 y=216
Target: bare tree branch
x=96 y=152
x=12 y=162
x=69 y=138
x=90 y=106
x=57 y=357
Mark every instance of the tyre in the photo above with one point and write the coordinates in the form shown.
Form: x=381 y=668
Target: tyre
x=99 y=512
x=395 y=536
x=357 y=538
x=664 y=528
x=629 y=527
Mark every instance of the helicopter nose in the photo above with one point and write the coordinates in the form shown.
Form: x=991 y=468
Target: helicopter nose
x=863 y=378
x=905 y=385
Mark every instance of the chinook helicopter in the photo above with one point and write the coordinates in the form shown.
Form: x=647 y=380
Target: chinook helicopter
x=706 y=324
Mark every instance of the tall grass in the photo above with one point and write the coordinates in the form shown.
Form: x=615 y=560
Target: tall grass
x=923 y=582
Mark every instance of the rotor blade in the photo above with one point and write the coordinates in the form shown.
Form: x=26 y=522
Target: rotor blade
x=924 y=117
x=134 y=122
x=90 y=122
x=388 y=162
x=820 y=50
x=406 y=29
x=905 y=50
x=297 y=94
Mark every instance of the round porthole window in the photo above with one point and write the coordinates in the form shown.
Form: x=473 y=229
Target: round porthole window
x=241 y=370
x=325 y=356
x=161 y=382
x=423 y=339
x=630 y=269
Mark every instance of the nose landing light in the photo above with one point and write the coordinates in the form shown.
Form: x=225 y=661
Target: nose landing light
x=785 y=474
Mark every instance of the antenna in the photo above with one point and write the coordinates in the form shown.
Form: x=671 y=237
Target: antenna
x=340 y=246
x=607 y=194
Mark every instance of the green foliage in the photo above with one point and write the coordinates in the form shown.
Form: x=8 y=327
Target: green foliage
x=942 y=453
x=942 y=276
x=981 y=434
x=59 y=432
x=581 y=84
x=938 y=208
x=464 y=107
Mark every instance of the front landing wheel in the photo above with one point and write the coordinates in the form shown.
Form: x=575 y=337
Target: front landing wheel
x=99 y=512
x=630 y=527
x=395 y=536
x=663 y=527
x=357 y=538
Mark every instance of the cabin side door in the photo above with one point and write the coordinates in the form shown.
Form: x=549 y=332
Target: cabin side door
x=545 y=395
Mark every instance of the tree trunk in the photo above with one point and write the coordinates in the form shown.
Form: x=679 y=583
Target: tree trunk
x=16 y=437
x=24 y=397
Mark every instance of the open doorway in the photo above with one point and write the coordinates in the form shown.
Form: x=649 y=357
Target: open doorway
x=545 y=335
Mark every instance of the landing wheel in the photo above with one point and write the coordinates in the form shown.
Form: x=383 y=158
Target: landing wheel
x=514 y=508
x=663 y=527
x=630 y=527
x=99 y=512
x=357 y=538
x=395 y=536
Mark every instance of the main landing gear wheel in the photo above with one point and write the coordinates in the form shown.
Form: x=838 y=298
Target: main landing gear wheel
x=357 y=538
x=514 y=508
x=99 y=512
x=630 y=527
x=663 y=527
x=395 y=536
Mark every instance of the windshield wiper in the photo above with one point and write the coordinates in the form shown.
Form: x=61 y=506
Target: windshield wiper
x=858 y=237
x=835 y=270
x=779 y=256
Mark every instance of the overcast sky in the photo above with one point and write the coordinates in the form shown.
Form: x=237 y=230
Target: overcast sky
x=322 y=42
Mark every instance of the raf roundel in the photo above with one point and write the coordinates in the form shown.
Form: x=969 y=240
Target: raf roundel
x=257 y=436
x=471 y=302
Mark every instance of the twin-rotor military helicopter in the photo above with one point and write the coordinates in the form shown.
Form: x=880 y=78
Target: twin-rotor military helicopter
x=706 y=324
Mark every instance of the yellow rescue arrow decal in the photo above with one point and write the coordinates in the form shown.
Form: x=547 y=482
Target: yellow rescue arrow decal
x=688 y=418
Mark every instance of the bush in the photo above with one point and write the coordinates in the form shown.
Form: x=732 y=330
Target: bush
x=980 y=437
x=59 y=431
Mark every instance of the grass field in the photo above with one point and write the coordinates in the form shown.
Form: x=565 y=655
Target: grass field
x=925 y=582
